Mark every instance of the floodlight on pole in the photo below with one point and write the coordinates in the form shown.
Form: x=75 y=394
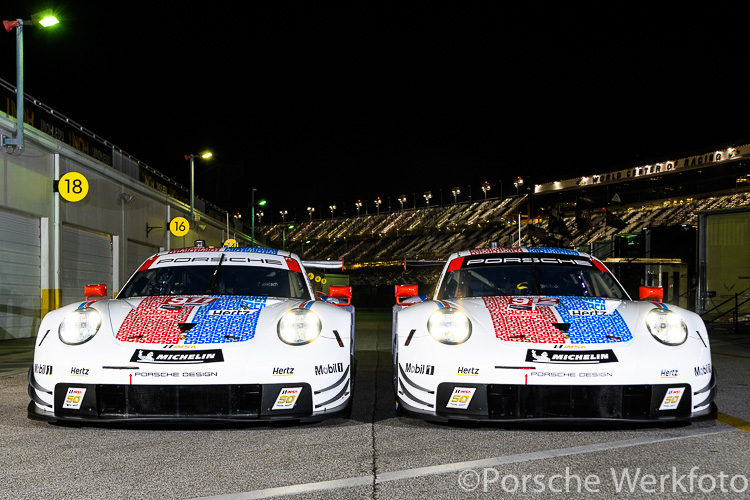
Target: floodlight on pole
x=485 y=187
x=252 y=212
x=44 y=19
x=191 y=158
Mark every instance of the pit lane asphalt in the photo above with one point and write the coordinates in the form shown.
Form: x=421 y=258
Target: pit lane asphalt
x=374 y=453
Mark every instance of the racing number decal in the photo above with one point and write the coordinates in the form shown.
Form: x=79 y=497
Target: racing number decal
x=287 y=398
x=461 y=397
x=185 y=300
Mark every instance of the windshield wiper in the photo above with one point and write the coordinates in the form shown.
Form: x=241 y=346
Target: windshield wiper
x=215 y=276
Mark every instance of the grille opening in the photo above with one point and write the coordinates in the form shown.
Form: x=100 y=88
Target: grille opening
x=514 y=401
x=179 y=400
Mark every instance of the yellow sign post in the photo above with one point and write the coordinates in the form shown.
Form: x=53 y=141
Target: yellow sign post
x=73 y=186
x=179 y=226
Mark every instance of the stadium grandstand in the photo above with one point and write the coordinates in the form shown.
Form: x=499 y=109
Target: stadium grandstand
x=640 y=216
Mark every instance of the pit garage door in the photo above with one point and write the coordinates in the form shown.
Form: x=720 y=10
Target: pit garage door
x=20 y=275
x=86 y=260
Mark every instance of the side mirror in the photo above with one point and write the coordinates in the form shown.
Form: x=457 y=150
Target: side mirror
x=407 y=292
x=94 y=291
x=341 y=292
x=652 y=293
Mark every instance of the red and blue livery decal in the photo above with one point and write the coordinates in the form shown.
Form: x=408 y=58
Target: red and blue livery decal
x=192 y=320
x=556 y=320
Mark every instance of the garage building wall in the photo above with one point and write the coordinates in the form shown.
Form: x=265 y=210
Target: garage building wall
x=100 y=239
x=724 y=237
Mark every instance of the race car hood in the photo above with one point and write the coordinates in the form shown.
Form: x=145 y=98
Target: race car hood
x=552 y=320
x=192 y=319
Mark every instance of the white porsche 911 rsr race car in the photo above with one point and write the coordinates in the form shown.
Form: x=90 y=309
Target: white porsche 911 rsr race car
x=200 y=333
x=535 y=334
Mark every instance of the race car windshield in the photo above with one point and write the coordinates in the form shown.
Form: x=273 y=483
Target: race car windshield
x=539 y=279
x=205 y=280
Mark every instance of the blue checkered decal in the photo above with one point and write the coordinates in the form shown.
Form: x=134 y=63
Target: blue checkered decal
x=227 y=319
x=563 y=251
x=592 y=328
x=270 y=251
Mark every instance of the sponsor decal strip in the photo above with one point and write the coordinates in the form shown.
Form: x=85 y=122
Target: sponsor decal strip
x=578 y=358
x=176 y=357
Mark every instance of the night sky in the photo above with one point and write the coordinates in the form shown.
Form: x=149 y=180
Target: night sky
x=316 y=103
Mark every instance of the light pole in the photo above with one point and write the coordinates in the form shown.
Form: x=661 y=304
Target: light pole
x=518 y=183
x=402 y=200
x=456 y=191
x=283 y=215
x=427 y=195
x=485 y=188
x=378 y=201
x=45 y=19
x=283 y=236
x=191 y=159
x=333 y=209
x=310 y=211
x=252 y=213
x=237 y=222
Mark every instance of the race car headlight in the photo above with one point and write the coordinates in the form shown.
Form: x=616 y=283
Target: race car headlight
x=80 y=326
x=449 y=326
x=299 y=327
x=666 y=326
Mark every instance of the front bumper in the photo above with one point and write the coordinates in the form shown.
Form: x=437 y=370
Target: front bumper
x=104 y=403
x=571 y=403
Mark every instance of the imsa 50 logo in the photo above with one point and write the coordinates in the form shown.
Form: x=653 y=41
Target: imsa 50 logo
x=287 y=398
